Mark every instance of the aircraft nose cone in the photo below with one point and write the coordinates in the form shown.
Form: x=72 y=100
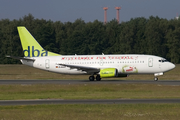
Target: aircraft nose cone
x=171 y=66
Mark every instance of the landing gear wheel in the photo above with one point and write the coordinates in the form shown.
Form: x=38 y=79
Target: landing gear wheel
x=98 y=78
x=155 y=79
x=91 y=78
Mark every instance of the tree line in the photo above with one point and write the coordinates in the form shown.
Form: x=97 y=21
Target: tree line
x=153 y=35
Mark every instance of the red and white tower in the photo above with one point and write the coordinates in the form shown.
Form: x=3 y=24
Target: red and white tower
x=117 y=13
x=105 y=14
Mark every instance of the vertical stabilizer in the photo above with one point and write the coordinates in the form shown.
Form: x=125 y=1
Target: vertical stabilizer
x=31 y=47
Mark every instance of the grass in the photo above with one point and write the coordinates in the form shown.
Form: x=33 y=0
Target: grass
x=81 y=91
x=23 y=72
x=88 y=91
x=91 y=112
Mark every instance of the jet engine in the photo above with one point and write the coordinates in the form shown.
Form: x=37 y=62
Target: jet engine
x=109 y=72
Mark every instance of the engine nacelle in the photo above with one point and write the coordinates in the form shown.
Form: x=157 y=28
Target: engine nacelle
x=109 y=72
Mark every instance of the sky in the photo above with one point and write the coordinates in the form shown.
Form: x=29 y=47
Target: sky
x=88 y=10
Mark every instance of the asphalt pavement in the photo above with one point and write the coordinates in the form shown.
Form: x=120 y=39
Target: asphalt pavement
x=104 y=101
x=162 y=82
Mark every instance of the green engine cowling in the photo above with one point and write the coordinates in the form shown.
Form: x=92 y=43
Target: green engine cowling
x=109 y=72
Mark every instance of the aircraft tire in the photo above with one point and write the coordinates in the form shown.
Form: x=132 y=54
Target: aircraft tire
x=98 y=78
x=155 y=79
x=91 y=78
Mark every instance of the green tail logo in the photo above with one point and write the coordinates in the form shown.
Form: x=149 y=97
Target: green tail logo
x=31 y=47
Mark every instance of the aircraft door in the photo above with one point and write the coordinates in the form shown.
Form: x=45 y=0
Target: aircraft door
x=47 y=63
x=150 y=62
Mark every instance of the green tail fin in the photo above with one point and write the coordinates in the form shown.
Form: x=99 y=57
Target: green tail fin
x=31 y=47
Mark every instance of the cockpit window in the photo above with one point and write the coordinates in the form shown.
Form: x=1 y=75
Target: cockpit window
x=163 y=60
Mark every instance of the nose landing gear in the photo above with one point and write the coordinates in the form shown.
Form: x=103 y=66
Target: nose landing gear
x=157 y=74
x=155 y=79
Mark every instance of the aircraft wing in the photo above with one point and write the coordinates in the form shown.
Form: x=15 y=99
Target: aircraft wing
x=20 y=58
x=83 y=68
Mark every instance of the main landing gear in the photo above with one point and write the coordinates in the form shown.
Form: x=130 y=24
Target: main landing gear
x=98 y=78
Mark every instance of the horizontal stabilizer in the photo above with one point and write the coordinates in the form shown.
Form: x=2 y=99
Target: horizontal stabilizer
x=20 y=58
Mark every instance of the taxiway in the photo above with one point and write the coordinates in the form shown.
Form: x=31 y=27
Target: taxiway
x=162 y=82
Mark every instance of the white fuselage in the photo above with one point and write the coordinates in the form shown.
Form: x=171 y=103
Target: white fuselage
x=125 y=64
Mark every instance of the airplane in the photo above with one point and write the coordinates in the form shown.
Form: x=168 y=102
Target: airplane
x=97 y=66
